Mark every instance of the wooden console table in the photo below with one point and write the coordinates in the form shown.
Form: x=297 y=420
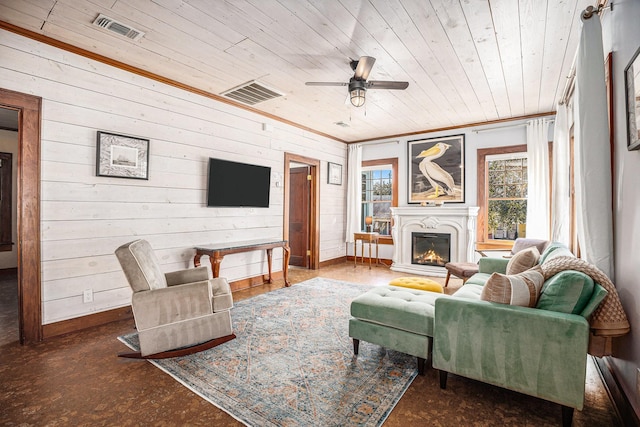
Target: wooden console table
x=364 y=238
x=218 y=251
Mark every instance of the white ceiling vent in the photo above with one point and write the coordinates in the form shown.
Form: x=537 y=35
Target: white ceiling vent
x=118 y=27
x=251 y=93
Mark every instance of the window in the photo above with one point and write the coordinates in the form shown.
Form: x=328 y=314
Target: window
x=507 y=196
x=502 y=196
x=379 y=194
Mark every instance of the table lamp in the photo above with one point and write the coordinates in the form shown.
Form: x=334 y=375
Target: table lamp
x=368 y=220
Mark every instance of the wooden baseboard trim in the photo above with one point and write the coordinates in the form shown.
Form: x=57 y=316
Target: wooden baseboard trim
x=252 y=282
x=73 y=325
x=333 y=261
x=386 y=262
x=621 y=403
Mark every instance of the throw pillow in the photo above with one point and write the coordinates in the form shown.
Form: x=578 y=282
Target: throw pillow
x=519 y=289
x=550 y=248
x=523 y=260
x=568 y=291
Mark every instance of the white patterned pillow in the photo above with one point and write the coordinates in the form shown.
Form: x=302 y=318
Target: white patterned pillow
x=520 y=289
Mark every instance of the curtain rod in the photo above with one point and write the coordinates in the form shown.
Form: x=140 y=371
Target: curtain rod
x=590 y=10
x=586 y=14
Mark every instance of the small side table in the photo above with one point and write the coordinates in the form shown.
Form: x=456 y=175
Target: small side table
x=364 y=237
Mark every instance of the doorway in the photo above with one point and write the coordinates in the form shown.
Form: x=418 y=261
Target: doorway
x=28 y=108
x=299 y=218
x=301 y=210
x=9 y=330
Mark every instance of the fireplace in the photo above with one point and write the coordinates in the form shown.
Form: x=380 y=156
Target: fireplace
x=430 y=249
x=458 y=222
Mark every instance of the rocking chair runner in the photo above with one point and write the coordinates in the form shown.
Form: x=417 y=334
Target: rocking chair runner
x=176 y=313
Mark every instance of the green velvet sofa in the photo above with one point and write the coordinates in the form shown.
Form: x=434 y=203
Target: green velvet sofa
x=539 y=351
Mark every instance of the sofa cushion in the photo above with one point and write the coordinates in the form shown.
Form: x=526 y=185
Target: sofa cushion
x=523 y=260
x=568 y=291
x=551 y=248
x=519 y=289
x=560 y=252
x=522 y=243
x=478 y=279
x=599 y=293
x=469 y=291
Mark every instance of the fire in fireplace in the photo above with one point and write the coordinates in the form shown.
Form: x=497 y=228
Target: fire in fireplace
x=430 y=248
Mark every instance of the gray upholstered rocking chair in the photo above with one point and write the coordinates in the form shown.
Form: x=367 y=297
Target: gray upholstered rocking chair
x=176 y=313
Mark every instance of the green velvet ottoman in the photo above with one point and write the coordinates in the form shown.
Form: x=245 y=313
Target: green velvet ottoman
x=397 y=318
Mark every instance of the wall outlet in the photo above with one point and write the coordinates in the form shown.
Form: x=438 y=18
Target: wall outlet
x=87 y=295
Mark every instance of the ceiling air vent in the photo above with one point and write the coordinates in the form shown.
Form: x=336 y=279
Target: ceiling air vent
x=118 y=27
x=251 y=93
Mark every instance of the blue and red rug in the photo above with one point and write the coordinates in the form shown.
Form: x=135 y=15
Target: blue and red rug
x=292 y=362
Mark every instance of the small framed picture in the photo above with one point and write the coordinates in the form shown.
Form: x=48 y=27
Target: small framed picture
x=335 y=174
x=122 y=156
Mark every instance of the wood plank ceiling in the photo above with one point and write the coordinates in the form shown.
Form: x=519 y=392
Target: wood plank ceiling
x=466 y=61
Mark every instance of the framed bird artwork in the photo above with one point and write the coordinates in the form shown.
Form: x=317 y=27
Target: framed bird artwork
x=436 y=170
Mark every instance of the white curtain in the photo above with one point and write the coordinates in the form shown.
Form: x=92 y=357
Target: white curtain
x=560 y=192
x=354 y=188
x=538 y=177
x=593 y=158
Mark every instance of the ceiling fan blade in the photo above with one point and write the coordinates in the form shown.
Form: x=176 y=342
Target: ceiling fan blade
x=379 y=84
x=365 y=63
x=326 y=83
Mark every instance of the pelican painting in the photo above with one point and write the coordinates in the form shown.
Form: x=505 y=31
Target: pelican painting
x=437 y=169
x=438 y=177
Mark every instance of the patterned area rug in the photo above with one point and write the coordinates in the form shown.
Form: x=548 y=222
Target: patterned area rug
x=292 y=362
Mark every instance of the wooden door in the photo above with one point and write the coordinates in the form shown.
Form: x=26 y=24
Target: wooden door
x=299 y=200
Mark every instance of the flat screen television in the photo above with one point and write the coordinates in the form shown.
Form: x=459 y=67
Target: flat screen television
x=233 y=184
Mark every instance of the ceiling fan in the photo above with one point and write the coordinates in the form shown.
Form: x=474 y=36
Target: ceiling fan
x=358 y=84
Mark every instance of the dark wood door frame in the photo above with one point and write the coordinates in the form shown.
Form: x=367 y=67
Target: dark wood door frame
x=28 y=200
x=314 y=224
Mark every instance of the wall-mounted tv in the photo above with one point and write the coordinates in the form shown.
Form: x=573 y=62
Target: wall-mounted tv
x=233 y=184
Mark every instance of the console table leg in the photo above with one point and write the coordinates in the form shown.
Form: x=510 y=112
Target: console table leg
x=269 y=255
x=216 y=259
x=355 y=253
x=196 y=260
x=286 y=251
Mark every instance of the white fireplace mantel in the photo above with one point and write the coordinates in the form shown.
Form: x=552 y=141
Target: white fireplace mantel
x=459 y=222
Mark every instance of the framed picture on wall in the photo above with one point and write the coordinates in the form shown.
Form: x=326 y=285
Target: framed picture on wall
x=122 y=156
x=436 y=170
x=335 y=174
x=632 y=92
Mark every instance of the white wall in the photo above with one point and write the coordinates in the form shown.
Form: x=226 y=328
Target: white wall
x=85 y=217
x=9 y=144
x=622 y=37
x=499 y=135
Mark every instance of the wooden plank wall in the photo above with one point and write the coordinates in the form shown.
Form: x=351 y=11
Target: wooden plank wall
x=85 y=217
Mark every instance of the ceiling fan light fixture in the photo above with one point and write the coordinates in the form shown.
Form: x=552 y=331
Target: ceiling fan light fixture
x=357 y=96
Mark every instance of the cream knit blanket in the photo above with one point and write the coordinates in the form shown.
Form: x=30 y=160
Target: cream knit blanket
x=609 y=319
